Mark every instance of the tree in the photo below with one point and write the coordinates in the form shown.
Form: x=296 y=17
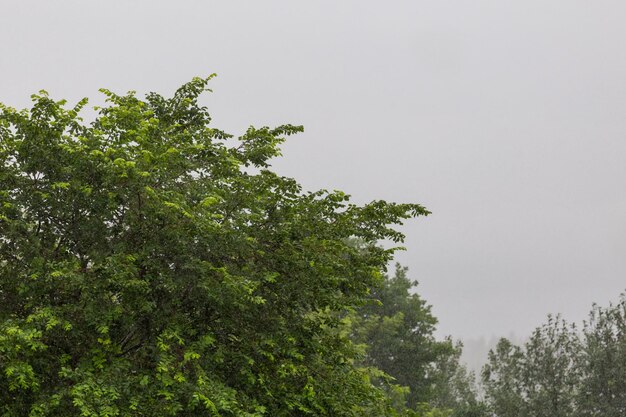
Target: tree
x=603 y=362
x=151 y=264
x=454 y=387
x=538 y=380
x=501 y=378
x=561 y=371
x=396 y=328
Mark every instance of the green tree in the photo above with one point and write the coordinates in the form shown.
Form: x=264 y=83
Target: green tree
x=561 y=371
x=397 y=330
x=538 y=380
x=151 y=264
x=455 y=387
x=397 y=327
x=603 y=362
x=501 y=379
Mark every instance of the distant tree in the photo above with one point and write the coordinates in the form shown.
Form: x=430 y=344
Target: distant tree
x=541 y=379
x=397 y=330
x=502 y=380
x=150 y=267
x=538 y=380
x=455 y=387
x=551 y=369
x=561 y=371
x=603 y=363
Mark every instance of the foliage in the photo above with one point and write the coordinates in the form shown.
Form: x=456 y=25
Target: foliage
x=397 y=330
x=603 y=362
x=151 y=264
x=455 y=387
x=538 y=380
x=561 y=371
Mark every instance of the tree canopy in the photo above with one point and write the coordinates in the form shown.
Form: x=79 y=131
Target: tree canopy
x=396 y=328
x=152 y=264
x=561 y=370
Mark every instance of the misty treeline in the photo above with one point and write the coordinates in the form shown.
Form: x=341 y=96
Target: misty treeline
x=562 y=370
x=153 y=265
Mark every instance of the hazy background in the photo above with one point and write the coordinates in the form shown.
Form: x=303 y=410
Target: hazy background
x=505 y=118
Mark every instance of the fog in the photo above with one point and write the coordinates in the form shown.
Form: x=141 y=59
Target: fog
x=506 y=119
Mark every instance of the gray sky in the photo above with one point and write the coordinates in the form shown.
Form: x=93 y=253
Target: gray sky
x=505 y=118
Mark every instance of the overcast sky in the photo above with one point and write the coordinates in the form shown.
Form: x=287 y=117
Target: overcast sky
x=505 y=118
